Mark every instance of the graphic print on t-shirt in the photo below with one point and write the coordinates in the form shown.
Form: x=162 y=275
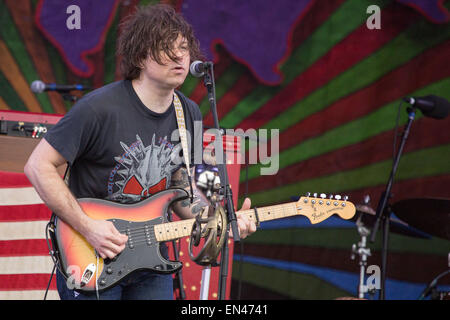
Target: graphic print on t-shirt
x=142 y=170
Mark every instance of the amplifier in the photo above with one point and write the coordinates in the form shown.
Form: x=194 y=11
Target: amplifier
x=20 y=132
x=26 y=124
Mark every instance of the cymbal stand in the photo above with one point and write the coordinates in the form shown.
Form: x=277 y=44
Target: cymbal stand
x=208 y=182
x=363 y=253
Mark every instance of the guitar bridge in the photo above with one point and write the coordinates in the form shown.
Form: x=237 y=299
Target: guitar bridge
x=87 y=274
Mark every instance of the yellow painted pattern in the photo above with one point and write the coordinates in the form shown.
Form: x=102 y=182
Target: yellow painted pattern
x=12 y=73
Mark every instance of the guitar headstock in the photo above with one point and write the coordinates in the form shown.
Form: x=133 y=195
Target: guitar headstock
x=318 y=209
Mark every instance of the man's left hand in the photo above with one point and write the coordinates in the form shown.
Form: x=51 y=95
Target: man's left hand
x=245 y=225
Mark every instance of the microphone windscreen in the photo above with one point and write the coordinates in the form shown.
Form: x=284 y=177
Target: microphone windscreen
x=195 y=69
x=441 y=107
x=37 y=86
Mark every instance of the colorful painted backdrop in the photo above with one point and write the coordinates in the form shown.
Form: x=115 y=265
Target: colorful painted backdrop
x=313 y=70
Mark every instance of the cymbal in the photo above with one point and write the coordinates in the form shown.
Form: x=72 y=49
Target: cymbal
x=431 y=215
x=363 y=208
x=395 y=225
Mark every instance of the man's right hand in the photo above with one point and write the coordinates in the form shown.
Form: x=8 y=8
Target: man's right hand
x=41 y=170
x=105 y=238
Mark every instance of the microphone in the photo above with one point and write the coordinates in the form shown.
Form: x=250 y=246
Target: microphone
x=198 y=68
x=38 y=86
x=431 y=106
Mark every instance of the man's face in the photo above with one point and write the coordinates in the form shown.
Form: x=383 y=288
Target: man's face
x=170 y=74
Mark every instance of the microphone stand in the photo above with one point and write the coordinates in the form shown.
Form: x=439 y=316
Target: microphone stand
x=225 y=186
x=384 y=210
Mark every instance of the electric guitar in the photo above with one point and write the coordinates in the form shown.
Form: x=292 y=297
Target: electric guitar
x=146 y=228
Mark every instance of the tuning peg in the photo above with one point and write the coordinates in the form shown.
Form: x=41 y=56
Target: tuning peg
x=330 y=197
x=308 y=194
x=345 y=198
x=315 y=194
x=337 y=197
x=323 y=195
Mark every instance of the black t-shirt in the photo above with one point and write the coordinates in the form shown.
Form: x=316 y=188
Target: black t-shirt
x=120 y=150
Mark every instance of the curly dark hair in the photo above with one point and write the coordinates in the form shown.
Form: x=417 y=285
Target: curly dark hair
x=150 y=30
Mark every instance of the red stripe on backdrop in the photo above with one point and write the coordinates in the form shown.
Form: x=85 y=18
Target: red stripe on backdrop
x=426 y=68
x=13 y=180
x=9 y=282
x=370 y=151
x=21 y=248
x=317 y=15
x=98 y=77
x=222 y=63
x=429 y=187
x=354 y=48
x=31 y=212
x=243 y=86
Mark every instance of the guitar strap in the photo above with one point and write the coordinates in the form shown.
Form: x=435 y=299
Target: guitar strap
x=183 y=137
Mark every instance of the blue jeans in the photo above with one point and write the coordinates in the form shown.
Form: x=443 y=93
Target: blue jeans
x=141 y=285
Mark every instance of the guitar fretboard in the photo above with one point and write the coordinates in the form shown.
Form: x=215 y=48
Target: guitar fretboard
x=179 y=229
x=272 y=212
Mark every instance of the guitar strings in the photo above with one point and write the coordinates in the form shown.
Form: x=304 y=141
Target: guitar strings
x=275 y=210
x=169 y=225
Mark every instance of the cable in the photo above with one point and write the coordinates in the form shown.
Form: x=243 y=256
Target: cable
x=48 y=285
x=96 y=277
x=396 y=131
x=432 y=284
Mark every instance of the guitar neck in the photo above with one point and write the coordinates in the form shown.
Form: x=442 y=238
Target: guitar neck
x=272 y=212
x=179 y=229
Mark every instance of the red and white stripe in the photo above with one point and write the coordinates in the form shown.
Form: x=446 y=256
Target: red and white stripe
x=25 y=264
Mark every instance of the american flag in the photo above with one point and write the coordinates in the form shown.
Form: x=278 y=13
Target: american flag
x=25 y=263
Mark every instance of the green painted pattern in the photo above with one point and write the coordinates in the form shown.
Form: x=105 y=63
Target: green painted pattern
x=10 y=95
x=227 y=80
x=352 y=132
x=15 y=44
x=375 y=174
x=344 y=238
x=58 y=67
x=292 y=284
x=398 y=52
x=146 y=2
x=189 y=85
x=110 y=50
x=313 y=48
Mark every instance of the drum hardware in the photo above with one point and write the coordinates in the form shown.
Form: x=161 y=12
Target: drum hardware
x=361 y=249
x=432 y=291
x=209 y=225
x=431 y=215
